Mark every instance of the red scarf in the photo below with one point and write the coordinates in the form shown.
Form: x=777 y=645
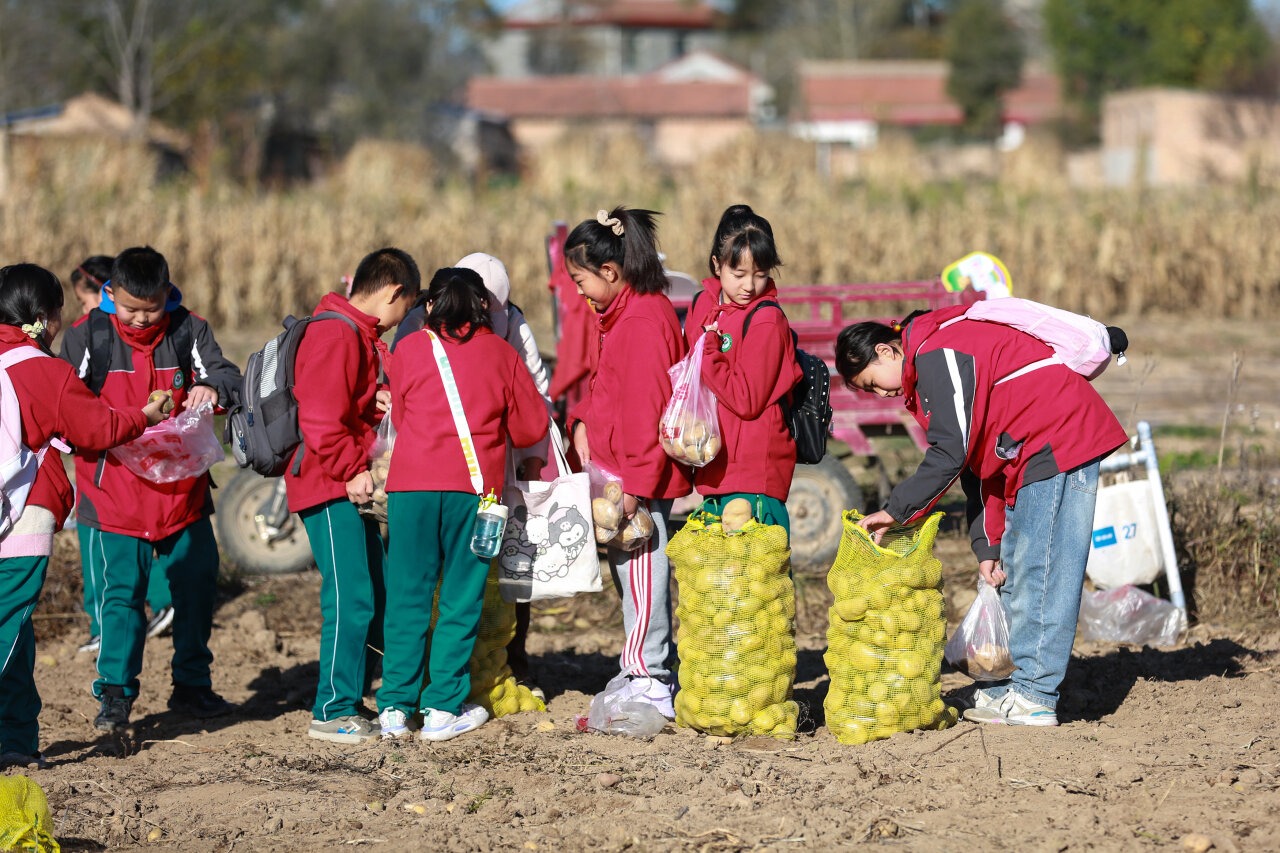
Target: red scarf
x=142 y=340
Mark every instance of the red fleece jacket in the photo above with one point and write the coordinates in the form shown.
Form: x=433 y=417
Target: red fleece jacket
x=55 y=402
x=336 y=385
x=1007 y=432
x=749 y=379
x=498 y=398
x=640 y=339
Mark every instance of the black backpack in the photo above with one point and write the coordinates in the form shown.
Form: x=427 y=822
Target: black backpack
x=808 y=410
x=262 y=424
x=102 y=338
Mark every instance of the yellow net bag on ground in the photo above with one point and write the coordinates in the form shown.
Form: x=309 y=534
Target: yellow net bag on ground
x=884 y=646
x=25 y=823
x=492 y=685
x=736 y=638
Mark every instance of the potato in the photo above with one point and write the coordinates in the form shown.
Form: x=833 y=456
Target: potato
x=711 y=448
x=642 y=521
x=605 y=535
x=736 y=514
x=990 y=659
x=613 y=492
x=606 y=513
x=697 y=433
x=166 y=396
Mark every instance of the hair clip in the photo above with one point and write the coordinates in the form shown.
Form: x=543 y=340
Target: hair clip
x=608 y=221
x=897 y=327
x=35 y=330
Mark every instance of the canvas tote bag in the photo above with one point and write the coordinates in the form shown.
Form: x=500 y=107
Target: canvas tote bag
x=549 y=548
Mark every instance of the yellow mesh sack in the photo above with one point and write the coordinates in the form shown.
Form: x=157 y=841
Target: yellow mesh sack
x=884 y=646
x=25 y=823
x=736 y=638
x=492 y=685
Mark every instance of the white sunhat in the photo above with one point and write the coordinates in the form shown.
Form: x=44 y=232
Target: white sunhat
x=494 y=274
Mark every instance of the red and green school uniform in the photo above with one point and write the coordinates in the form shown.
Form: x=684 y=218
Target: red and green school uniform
x=432 y=507
x=751 y=377
x=336 y=387
x=640 y=339
x=54 y=402
x=135 y=523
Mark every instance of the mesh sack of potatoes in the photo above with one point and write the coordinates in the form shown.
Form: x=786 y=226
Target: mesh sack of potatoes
x=736 y=638
x=492 y=685
x=884 y=645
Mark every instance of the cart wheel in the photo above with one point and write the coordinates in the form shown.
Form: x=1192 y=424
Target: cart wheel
x=819 y=496
x=253 y=548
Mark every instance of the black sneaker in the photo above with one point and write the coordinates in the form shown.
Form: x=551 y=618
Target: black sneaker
x=21 y=760
x=199 y=702
x=114 y=712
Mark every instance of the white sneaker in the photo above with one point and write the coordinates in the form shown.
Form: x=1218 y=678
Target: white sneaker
x=653 y=692
x=1012 y=709
x=394 y=724
x=93 y=645
x=160 y=622
x=441 y=725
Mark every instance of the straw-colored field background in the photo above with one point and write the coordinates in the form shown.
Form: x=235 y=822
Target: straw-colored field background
x=1192 y=274
x=244 y=257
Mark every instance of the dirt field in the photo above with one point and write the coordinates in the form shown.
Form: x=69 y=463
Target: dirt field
x=1156 y=745
x=1160 y=749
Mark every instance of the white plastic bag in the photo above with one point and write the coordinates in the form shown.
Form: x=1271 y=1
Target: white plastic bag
x=1126 y=542
x=1129 y=615
x=689 y=429
x=613 y=714
x=181 y=447
x=548 y=549
x=980 y=646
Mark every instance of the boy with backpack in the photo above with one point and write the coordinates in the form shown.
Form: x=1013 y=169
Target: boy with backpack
x=86 y=283
x=141 y=340
x=339 y=405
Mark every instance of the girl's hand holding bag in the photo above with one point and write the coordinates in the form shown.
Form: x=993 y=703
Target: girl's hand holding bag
x=549 y=548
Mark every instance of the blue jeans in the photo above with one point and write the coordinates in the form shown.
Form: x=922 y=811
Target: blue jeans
x=1044 y=551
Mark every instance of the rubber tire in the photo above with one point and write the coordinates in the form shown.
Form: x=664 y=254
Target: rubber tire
x=238 y=537
x=819 y=496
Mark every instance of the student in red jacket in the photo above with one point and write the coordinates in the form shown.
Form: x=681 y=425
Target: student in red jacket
x=614 y=261
x=749 y=362
x=339 y=408
x=458 y=392
x=1025 y=445
x=86 y=283
x=149 y=342
x=53 y=404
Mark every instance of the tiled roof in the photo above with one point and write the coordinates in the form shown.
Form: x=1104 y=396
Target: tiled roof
x=672 y=14
x=909 y=93
x=571 y=97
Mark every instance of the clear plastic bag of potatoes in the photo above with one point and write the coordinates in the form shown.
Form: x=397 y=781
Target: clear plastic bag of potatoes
x=689 y=429
x=379 y=466
x=608 y=513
